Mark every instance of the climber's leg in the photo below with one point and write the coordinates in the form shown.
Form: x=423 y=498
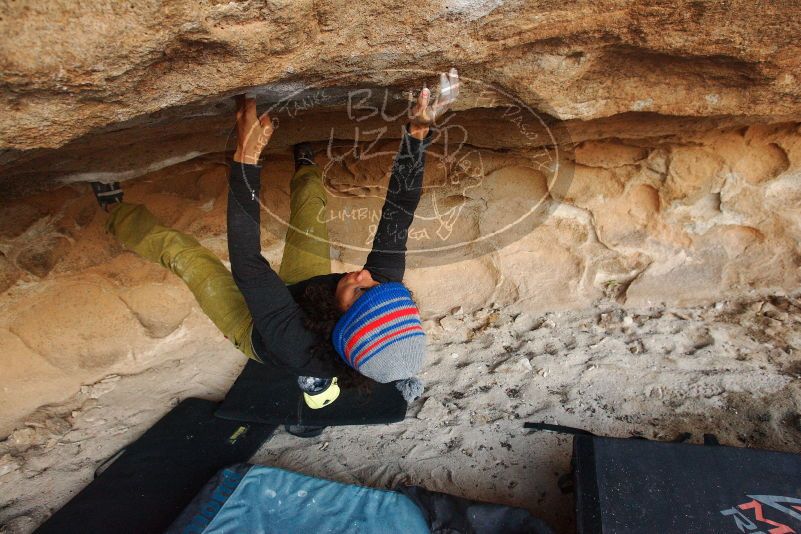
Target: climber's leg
x=204 y=274
x=306 y=252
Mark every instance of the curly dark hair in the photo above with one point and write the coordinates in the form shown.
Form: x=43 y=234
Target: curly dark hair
x=321 y=313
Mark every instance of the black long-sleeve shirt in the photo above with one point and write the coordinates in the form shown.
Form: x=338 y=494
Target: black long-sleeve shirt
x=279 y=335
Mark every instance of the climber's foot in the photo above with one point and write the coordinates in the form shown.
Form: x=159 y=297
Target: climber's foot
x=303 y=431
x=107 y=194
x=304 y=155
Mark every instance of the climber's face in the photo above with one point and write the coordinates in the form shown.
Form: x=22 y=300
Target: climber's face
x=352 y=286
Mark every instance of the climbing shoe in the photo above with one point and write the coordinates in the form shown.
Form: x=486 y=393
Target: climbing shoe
x=107 y=194
x=318 y=392
x=304 y=155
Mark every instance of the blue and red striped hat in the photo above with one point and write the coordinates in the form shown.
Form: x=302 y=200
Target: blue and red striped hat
x=381 y=335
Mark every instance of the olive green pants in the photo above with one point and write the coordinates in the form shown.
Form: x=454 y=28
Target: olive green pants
x=306 y=254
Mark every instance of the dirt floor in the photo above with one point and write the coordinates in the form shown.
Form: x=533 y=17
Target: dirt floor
x=730 y=368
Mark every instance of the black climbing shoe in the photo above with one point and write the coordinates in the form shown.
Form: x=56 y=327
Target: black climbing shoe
x=107 y=194
x=304 y=155
x=303 y=431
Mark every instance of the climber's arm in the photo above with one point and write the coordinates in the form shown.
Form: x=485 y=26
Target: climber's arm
x=388 y=256
x=260 y=285
x=276 y=316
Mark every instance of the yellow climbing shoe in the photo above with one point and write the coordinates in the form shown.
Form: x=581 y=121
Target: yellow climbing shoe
x=315 y=401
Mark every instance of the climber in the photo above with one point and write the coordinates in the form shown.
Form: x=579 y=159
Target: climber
x=317 y=324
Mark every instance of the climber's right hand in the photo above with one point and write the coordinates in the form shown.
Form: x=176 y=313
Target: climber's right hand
x=423 y=113
x=253 y=132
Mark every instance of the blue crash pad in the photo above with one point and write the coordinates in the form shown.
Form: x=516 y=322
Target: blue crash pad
x=252 y=498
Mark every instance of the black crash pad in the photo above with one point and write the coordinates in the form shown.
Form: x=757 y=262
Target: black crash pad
x=635 y=485
x=156 y=476
x=264 y=393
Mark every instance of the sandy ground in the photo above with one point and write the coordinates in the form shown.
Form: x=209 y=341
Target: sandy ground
x=730 y=368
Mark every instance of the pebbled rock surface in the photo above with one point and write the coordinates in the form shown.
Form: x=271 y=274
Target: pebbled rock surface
x=72 y=67
x=93 y=76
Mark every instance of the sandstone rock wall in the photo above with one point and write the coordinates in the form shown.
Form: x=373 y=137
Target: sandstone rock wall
x=69 y=68
x=705 y=217
x=654 y=149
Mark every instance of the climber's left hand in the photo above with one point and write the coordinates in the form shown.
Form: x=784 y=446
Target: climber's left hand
x=253 y=132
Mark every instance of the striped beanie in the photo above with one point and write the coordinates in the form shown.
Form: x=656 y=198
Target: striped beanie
x=381 y=335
